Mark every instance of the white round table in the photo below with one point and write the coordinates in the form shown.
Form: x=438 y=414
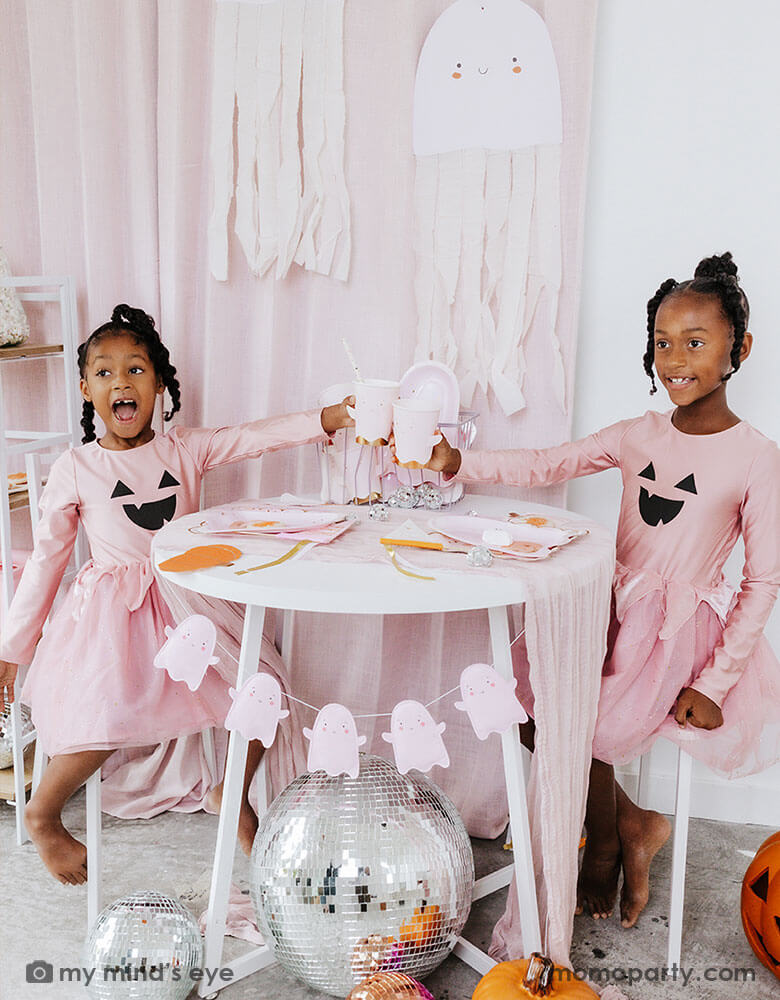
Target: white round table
x=372 y=588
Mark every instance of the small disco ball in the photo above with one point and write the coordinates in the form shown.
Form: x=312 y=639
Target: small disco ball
x=143 y=947
x=353 y=876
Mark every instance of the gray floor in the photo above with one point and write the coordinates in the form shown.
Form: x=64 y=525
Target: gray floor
x=40 y=919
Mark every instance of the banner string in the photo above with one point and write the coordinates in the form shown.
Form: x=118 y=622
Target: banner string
x=388 y=715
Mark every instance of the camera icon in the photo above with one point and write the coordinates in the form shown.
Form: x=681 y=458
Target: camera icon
x=40 y=972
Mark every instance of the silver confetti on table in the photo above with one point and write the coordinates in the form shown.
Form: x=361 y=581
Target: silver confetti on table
x=479 y=555
x=353 y=875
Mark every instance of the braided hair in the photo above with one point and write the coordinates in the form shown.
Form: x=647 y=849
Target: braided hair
x=141 y=326
x=713 y=276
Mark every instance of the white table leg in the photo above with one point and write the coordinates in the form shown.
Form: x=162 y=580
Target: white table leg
x=515 y=785
x=231 y=804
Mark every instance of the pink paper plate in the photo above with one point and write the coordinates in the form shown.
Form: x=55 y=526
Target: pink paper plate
x=263 y=521
x=528 y=541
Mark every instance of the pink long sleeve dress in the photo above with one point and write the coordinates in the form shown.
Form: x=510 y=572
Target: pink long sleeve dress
x=92 y=683
x=676 y=621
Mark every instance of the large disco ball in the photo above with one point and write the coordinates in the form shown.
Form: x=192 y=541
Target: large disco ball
x=143 y=947
x=352 y=876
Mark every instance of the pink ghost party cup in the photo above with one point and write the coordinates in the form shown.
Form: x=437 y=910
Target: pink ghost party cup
x=373 y=410
x=414 y=426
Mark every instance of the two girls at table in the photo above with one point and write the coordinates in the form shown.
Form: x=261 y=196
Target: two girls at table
x=681 y=646
x=686 y=655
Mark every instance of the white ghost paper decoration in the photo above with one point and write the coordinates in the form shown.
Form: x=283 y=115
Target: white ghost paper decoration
x=486 y=79
x=256 y=710
x=187 y=652
x=416 y=738
x=334 y=742
x=489 y=700
x=487 y=136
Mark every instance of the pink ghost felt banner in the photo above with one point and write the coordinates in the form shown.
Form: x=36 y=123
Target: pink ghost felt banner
x=334 y=742
x=187 y=653
x=416 y=738
x=256 y=710
x=489 y=700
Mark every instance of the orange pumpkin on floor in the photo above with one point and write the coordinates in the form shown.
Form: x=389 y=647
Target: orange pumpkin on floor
x=536 y=976
x=761 y=904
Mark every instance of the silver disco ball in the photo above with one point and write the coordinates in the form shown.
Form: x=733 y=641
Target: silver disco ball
x=352 y=876
x=142 y=947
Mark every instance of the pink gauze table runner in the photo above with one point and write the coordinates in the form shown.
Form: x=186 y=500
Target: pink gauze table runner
x=566 y=618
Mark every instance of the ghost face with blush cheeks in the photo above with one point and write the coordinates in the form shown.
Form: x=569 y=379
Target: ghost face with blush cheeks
x=256 y=710
x=489 y=700
x=416 y=738
x=334 y=742
x=187 y=653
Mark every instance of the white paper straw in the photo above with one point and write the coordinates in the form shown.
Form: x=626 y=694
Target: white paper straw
x=352 y=361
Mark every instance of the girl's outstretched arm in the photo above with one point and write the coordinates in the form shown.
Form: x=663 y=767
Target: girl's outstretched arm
x=760 y=514
x=221 y=446
x=55 y=536
x=527 y=467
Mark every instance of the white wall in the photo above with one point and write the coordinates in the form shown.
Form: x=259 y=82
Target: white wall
x=685 y=162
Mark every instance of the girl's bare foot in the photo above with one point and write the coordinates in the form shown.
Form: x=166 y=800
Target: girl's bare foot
x=598 y=880
x=247 y=819
x=63 y=855
x=642 y=834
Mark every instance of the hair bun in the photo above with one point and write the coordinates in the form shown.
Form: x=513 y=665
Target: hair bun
x=716 y=267
x=131 y=317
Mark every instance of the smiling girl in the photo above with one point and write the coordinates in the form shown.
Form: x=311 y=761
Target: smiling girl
x=686 y=656
x=92 y=685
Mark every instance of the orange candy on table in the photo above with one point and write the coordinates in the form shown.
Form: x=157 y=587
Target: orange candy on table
x=536 y=976
x=760 y=904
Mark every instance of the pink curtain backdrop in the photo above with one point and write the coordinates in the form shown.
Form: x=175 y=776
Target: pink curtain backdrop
x=104 y=115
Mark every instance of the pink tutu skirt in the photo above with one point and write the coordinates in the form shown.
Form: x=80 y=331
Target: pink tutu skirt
x=644 y=674
x=93 y=685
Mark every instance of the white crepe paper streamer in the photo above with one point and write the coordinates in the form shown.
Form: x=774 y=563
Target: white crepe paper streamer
x=223 y=102
x=279 y=66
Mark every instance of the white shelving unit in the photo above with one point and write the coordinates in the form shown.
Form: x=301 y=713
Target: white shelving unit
x=32 y=444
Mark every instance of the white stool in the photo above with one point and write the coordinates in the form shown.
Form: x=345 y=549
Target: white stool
x=682 y=811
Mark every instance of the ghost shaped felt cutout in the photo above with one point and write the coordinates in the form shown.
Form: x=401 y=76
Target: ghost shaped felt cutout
x=334 y=742
x=489 y=700
x=416 y=738
x=653 y=508
x=187 y=653
x=155 y=513
x=256 y=710
x=487 y=135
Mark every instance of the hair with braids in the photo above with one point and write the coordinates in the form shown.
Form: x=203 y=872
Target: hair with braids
x=141 y=326
x=713 y=276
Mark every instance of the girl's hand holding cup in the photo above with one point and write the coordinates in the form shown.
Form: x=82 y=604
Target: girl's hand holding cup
x=334 y=417
x=444 y=458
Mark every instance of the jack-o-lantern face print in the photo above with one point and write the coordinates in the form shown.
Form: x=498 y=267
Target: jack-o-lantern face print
x=655 y=509
x=154 y=514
